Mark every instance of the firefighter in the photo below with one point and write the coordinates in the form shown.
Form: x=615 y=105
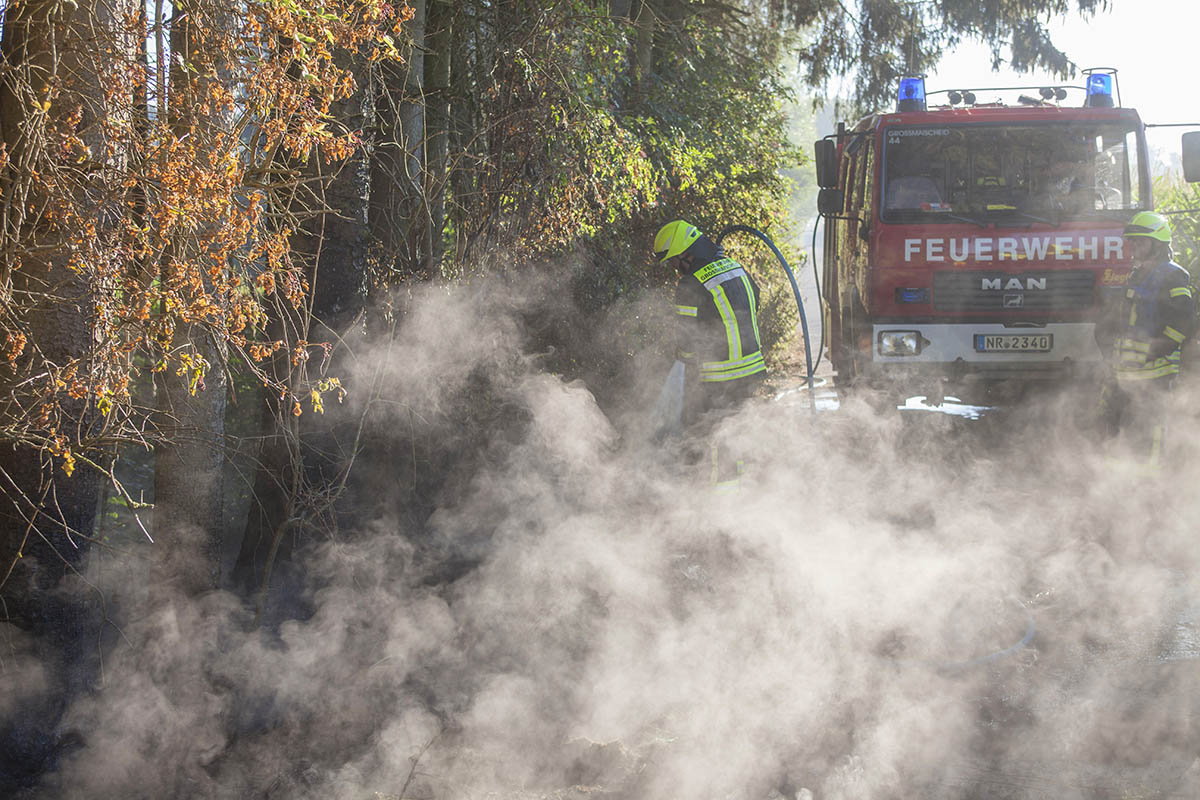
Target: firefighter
x=716 y=302
x=1152 y=321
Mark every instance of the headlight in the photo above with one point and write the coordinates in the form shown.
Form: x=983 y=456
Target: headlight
x=900 y=343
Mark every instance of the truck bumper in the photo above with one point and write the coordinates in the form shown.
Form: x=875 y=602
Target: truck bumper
x=954 y=350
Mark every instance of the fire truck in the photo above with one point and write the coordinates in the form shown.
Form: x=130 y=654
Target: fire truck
x=973 y=242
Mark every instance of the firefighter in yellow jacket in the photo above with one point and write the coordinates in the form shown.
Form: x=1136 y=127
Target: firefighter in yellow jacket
x=1152 y=321
x=716 y=302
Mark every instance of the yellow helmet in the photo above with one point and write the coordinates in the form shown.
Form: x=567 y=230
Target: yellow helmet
x=673 y=238
x=1151 y=225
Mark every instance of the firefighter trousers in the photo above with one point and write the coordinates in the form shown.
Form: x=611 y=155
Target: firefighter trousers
x=1137 y=413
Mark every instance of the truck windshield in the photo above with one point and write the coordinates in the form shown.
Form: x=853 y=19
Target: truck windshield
x=1051 y=171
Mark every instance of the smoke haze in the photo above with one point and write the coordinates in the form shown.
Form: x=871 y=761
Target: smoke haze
x=891 y=605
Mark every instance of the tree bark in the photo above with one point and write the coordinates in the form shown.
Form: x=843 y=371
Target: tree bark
x=47 y=516
x=412 y=124
x=437 y=92
x=188 y=519
x=300 y=458
x=462 y=127
x=646 y=21
x=47 y=513
x=188 y=462
x=399 y=219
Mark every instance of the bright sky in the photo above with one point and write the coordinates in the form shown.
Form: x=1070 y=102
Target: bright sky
x=1152 y=43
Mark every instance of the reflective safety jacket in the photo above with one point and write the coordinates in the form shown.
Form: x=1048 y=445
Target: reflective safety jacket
x=1157 y=316
x=717 y=307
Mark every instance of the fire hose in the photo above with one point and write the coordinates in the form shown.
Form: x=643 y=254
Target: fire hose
x=812 y=400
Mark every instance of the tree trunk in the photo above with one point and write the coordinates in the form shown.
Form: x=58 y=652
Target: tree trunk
x=337 y=241
x=412 y=124
x=647 y=24
x=188 y=461
x=300 y=459
x=46 y=519
x=463 y=126
x=399 y=217
x=437 y=94
x=47 y=516
x=188 y=522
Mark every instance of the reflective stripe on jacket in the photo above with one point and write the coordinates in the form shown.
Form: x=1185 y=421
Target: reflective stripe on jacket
x=1158 y=317
x=718 y=315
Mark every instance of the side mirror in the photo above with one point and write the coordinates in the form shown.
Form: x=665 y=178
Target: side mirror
x=825 y=154
x=830 y=202
x=1191 y=156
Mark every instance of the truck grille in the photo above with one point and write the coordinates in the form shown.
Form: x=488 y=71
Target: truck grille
x=1020 y=291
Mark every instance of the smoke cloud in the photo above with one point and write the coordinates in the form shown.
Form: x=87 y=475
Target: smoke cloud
x=891 y=605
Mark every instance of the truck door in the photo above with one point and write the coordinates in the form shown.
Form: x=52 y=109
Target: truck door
x=864 y=206
x=853 y=241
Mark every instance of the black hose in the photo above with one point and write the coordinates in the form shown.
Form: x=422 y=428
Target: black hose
x=820 y=297
x=812 y=400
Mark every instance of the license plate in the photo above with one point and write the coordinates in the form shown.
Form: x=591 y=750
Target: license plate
x=1014 y=342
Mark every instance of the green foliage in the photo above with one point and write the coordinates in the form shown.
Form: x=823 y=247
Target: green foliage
x=712 y=120
x=587 y=147
x=1180 y=202
x=802 y=128
x=547 y=161
x=870 y=44
x=715 y=127
x=591 y=170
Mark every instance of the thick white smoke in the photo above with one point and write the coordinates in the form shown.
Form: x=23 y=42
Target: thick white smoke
x=854 y=622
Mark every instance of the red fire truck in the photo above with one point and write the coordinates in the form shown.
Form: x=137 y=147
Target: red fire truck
x=974 y=240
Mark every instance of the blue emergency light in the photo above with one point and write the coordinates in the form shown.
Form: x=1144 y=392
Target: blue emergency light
x=911 y=96
x=1099 y=90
